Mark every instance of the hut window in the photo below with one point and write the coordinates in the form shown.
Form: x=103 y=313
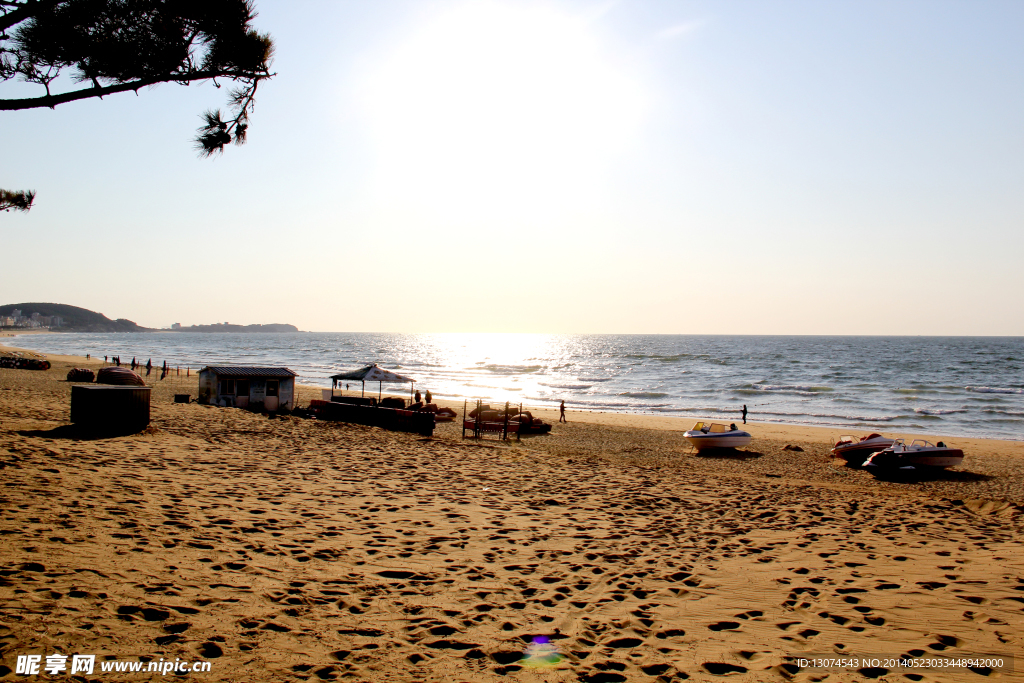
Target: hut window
x=242 y=387
x=227 y=387
x=271 y=387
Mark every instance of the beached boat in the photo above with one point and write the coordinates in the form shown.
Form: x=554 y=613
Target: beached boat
x=855 y=451
x=920 y=453
x=713 y=435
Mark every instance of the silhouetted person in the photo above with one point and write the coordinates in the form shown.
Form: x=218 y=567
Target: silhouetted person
x=744 y=411
x=561 y=412
x=429 y=397
x=134 y=364
x=418 y=396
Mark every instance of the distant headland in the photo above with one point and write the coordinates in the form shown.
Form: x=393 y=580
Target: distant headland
x=65 y=318
x=62 y=318
x=228 y=327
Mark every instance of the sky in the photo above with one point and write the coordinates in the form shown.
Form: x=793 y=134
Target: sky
x=704 y=167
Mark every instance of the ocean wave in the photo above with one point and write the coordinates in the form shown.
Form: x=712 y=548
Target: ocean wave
x=994 y=390
x=935 y=412
x=565 y=386
x=511 y=369
x=1009 y=413
x=798 y=388
x=643 y=394
x=757 y=415
x=612 y=405
x=703 y=410
x=595 y=379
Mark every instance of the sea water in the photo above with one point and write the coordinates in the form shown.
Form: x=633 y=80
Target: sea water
x=967 y=386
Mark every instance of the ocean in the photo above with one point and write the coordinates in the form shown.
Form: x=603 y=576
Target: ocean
x=950 y=386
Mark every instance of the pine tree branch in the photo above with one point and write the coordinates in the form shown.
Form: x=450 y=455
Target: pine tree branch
x=19 y=201
x=23 y=12
x=52 y=101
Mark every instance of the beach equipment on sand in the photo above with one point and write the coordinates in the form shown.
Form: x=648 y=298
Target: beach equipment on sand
x=372 y=373
x=483 y=419
x=107 y=409
x=119 y=376
x=713 y=435
x=20 y=363
x=81 y=375
x=855 y=451
x=393 y=419
x=919 y=454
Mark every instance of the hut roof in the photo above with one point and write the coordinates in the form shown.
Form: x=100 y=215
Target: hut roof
x=372 y=373
x=248 y=371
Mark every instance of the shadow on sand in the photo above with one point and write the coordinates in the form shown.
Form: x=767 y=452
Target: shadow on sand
x=923 y=474
x=727 y=454
x=75 y=433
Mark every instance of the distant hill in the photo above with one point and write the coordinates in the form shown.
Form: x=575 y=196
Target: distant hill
x=227 y=327
x=75 y=319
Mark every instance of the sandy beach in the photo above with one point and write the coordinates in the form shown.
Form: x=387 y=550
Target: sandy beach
x=291 y=549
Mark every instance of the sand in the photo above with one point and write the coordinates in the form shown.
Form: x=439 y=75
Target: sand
x=291 y=549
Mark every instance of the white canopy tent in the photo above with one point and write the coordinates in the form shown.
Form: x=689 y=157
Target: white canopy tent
x=372 y=373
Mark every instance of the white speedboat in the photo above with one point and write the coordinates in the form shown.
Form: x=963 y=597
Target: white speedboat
x=713 y=435
x=920 y=453
x=855 y=451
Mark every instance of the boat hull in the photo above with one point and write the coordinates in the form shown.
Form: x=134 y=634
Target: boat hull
x=929 y=458
x=857 y=453
x=702 y=441
x=950 y=457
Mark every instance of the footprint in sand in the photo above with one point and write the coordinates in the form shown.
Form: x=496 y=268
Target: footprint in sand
x=723 y=669
x=724 y=626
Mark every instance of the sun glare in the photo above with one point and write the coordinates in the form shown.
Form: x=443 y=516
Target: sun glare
x=496 y=105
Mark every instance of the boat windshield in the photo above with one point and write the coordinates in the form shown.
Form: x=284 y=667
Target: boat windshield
x=717 y=429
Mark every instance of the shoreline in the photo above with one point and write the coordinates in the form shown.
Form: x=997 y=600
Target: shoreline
x=815 y=433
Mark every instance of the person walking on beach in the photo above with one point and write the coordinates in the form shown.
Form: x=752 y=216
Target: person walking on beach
x=744 y=412
x=418 y=396
x=561 y=413
x=429 y=397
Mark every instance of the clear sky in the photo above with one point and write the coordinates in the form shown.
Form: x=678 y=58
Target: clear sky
x=636 y=166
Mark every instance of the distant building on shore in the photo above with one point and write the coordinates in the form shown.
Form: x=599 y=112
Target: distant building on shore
x=31 y=321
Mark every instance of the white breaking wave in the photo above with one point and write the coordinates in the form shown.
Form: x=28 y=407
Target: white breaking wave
x=994 y=390
x=936 y=412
